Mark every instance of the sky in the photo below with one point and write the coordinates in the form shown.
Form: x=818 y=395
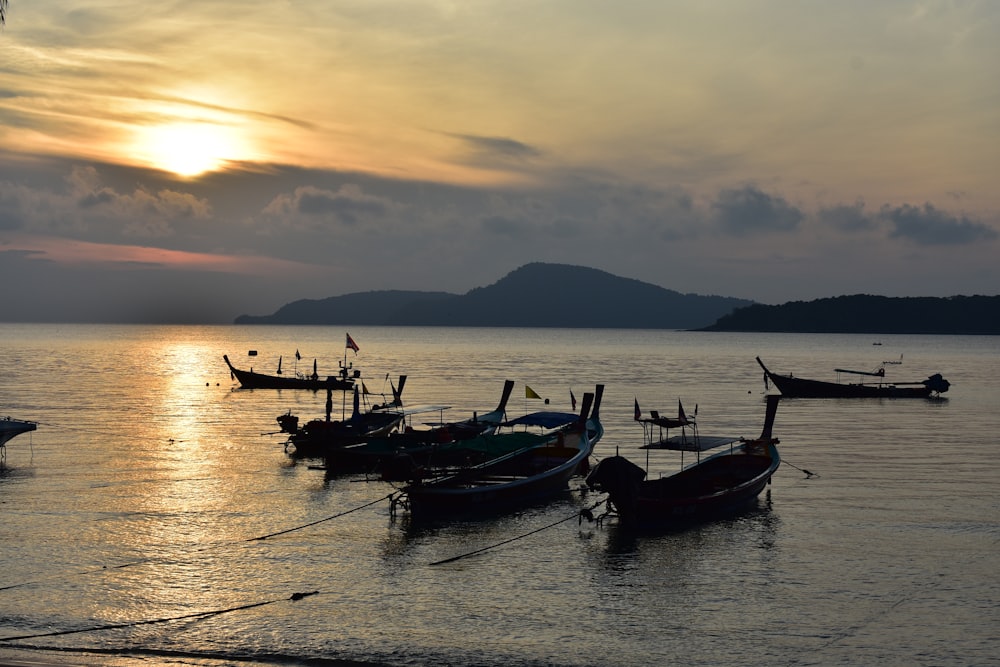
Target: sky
x=192 y=162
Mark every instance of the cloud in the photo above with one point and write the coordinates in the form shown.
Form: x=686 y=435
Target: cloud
x=348 y=206
x=748 y=210
x=502 y=226
x=846 y=217
x=931 y=226
x=496 y=152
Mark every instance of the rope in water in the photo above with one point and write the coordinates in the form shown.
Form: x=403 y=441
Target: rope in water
x=802 y=470
x=318 y=521
x=575 y=515
x=202 y=549
x=295 y=597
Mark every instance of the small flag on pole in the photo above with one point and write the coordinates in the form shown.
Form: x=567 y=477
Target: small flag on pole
x=351 y=344
x=298 y=357
x=638 y=414
x=364 y=389
x=572 y=399
x=680 y=412
x=530 y=393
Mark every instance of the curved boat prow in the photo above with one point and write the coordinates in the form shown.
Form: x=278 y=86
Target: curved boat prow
x=508 y=387
x=772 y=410
x=588 y=400
x=397 y=392
x=595 y=414
x=232 y=371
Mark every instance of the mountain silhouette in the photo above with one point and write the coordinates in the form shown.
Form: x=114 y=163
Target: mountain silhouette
x=535 y=295
x=865 y=313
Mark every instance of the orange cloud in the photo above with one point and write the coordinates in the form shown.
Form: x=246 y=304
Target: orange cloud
x=76 y=253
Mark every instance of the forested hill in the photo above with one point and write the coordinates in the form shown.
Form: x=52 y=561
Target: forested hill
x=535 y=295
x=863 y=313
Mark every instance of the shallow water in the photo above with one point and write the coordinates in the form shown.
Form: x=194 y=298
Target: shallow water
x=140 y=494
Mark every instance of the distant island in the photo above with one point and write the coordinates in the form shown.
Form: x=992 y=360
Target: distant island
x=864 y=313
x=535 y=295
x=566 y=296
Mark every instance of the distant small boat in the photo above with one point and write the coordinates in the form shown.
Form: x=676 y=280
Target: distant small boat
x=250 y=379
x=794 y=387
x=11 y=428
x=344 y=379
x=712 y=486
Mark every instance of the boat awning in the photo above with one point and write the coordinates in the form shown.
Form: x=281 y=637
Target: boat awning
x=667 y=422
x=420 y=409
x=544 y=419
x=688 y=443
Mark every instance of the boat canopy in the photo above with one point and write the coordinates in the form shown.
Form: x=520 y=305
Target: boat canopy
x=544 y=419
x=667 y=422
x=687 y=443
x=421 y=409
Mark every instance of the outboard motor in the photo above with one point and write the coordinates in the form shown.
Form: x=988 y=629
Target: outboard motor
x=937 y=383
x=289 y=423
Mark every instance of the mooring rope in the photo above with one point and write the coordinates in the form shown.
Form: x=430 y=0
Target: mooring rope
x=575 y=515
x=808 y=474
x=295 y=597
x=318 y=521
x=201 y=549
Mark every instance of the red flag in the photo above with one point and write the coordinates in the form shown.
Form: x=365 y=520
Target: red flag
x=638 y=414
x=351 y=344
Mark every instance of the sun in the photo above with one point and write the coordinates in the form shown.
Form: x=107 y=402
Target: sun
x=189 y=149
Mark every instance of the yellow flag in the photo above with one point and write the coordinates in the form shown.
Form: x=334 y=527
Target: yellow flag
x=530 y=393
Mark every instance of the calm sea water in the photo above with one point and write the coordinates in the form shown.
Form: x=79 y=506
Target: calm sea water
x=140 y=494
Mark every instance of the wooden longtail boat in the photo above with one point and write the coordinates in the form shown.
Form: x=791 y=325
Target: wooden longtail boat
x=250 y=379
x=412 y=446
x=320 y=437
x=710 y=487
x=530 y=474
x=344 y=380
x=794 y=387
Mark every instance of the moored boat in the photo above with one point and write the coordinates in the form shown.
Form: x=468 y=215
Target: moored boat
x=539 y=470
x=795 y=387
x=418 y=446
x=712 y=486
x=319 y=437
x=343 y=380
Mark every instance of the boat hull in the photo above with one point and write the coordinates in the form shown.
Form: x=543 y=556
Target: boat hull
x=503 y=487
x=792 y=387
x=523 y=477
x=721 y=484
x=323 y=439
x=248 y=379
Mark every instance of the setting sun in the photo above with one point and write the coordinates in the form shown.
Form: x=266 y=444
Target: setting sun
x=190 y=149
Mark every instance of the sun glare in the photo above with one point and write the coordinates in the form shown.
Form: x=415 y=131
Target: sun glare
x=190 y=149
